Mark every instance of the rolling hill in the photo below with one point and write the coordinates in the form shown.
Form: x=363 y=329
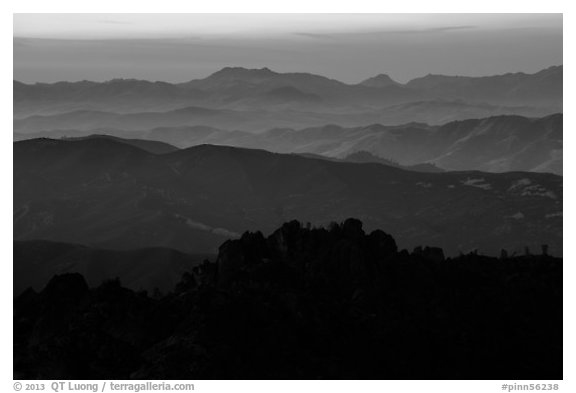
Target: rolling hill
x=104 y=193
x=154 y=147
x=149 y=269
x=495 y=144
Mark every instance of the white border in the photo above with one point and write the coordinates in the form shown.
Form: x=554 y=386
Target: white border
x=259 y=6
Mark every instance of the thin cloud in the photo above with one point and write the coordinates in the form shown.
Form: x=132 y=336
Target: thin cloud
x=430 y=30
x=115 y=22
x=318 y=36
x=442 y=29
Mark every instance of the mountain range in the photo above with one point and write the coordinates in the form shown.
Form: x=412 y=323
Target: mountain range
x=495 y=144
x=111 y=194
x=256 y=224
x=275 y=99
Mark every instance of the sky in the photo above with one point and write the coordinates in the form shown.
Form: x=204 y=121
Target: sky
x=347 y=47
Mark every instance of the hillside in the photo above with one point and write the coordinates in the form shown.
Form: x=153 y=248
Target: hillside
x=305 y=303
x=155 y=147
x=148 y=269
x=108 y=194
x=494 y=144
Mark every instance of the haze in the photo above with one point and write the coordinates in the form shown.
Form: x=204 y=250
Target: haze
x=347 y=47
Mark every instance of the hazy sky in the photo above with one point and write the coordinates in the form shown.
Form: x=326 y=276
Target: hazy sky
x=347 y=47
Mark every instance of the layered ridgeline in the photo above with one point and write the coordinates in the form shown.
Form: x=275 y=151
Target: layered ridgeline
x=495 y=144
x=258 y=99
x=150 y=269
x=109 y=193
x=304 y=303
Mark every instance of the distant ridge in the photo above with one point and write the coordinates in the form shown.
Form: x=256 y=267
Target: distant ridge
x=36 y=261
x=493 y=144
x=265 y=72
x=381 y=80
x=123 y=197
x=155 y=147
x=275 y=99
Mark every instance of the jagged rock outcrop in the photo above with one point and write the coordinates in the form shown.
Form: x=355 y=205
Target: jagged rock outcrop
x=305 y=303
x=343 y=254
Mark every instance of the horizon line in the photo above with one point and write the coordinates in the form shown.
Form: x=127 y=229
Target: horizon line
x=284 y=73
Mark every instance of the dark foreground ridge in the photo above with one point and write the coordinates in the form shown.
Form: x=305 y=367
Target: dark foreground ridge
x=305 y=303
